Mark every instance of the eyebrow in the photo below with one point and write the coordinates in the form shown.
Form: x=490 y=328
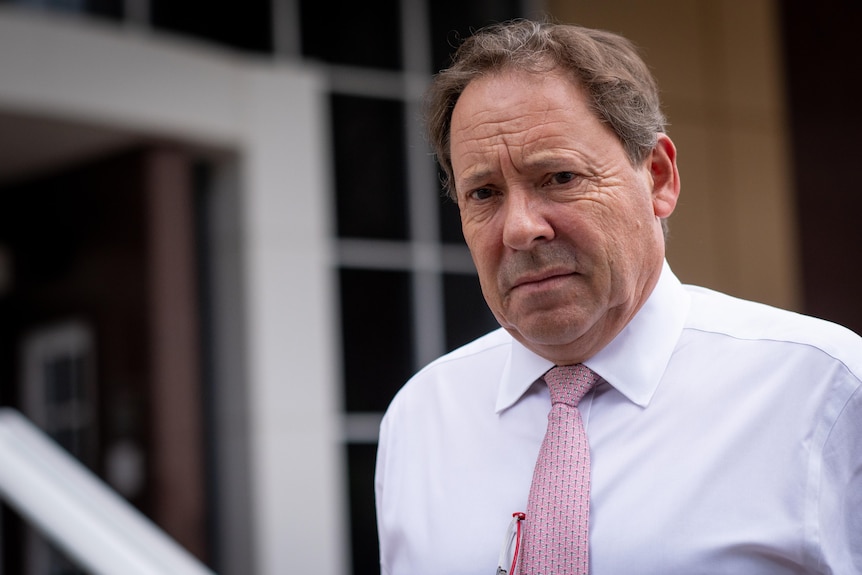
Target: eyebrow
x=475 y=179
x=539 y=161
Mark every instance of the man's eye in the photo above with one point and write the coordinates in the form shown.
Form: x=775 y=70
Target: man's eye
x=563 y=177
x=482 y=194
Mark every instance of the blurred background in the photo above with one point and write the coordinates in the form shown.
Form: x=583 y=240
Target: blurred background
x=224 y=245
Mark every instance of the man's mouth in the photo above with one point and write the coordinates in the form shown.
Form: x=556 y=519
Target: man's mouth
x=540 y=278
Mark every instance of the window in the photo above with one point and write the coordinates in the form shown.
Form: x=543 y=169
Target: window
x=408 y=288
x=60 y=397
x=59 y=386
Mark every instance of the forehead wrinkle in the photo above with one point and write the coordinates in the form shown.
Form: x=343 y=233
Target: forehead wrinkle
x=499 y=156
x=516 y=157
x=482 y=152
x=491 y=139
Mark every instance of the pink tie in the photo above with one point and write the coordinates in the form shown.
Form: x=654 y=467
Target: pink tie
x=556 y=528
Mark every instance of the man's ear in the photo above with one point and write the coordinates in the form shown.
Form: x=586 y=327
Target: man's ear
x=665 y=176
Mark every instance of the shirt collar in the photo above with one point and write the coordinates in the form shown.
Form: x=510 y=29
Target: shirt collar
x=633 y=362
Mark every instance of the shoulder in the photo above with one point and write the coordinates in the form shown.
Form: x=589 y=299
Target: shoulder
x=474 y=360
x=479 y=351
x=469 y=371
x=721 y=314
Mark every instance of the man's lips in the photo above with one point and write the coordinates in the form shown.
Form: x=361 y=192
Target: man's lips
x=536 y=279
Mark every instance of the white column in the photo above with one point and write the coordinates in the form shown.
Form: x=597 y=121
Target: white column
x=294 y=406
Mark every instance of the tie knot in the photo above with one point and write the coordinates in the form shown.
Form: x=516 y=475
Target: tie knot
x=570 y=383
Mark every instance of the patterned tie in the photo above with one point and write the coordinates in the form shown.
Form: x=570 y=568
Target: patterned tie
x=556 y=528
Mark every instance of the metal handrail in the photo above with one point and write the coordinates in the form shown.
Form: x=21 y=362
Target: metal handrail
x=99 y=530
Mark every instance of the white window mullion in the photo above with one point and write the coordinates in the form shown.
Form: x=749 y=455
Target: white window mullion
x=286 y=32
x=137 y=13
x=423 y=198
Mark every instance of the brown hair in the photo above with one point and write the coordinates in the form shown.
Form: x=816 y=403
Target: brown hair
x=620 y=87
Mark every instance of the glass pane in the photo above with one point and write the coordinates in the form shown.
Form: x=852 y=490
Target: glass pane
x=64 y=378
x=467 y=314
x=245 y=25
x=450 y=222
x=371 y=197
x=377 y=336
x=352 y=33
x=453 y=20
x=68 y=439
x=363 y=522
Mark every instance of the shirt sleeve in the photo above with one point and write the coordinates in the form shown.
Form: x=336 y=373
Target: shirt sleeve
x=840 y=500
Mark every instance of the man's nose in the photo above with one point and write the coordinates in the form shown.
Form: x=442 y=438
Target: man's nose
x=526 y=221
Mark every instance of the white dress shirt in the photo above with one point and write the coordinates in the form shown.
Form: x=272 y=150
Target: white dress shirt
x=727 y=439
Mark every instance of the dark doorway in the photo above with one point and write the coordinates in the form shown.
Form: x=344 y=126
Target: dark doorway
x=99 y=333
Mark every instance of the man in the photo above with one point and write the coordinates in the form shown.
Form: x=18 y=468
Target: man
x=724 y=436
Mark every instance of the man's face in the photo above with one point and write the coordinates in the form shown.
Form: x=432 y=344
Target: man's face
x=564 y=231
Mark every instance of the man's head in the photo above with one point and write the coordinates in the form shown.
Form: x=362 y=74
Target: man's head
x=622 y=92
x=562 y=215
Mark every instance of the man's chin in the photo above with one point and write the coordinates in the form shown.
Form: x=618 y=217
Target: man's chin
x=551 y=329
